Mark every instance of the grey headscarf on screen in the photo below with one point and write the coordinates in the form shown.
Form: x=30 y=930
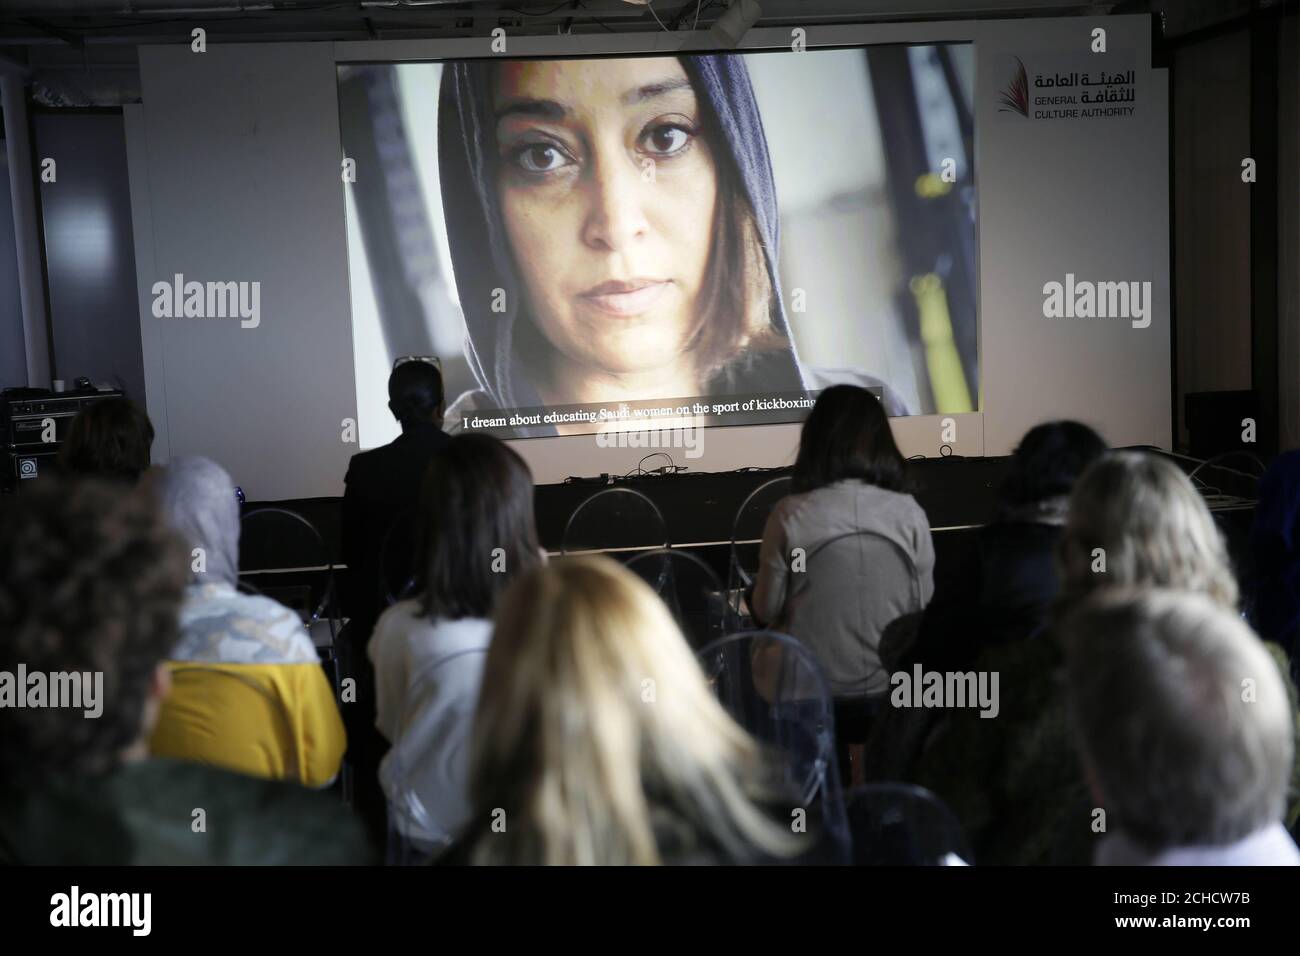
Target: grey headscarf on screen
x=467 y=160
x=198 y=500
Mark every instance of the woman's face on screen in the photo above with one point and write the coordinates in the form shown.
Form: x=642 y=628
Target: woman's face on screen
x=608 y=191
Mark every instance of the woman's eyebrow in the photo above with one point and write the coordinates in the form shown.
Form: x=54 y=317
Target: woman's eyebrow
x=651 y=90
x=554 y=110
x=542 y=109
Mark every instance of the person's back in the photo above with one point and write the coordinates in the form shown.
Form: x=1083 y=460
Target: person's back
x=867 y=559
x=476 y=533
x=597 y=740
x=1275 y=544
x=1017 y=786
x=108 y=439
x=849 y=551
x=1006 y=589
x=383 y=489
x=990 y=617
x=1185 y=730
x=92 y=587
x=248 y=691
x=160 y=812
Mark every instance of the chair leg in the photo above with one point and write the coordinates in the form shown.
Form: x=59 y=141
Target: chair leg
x=858 y=776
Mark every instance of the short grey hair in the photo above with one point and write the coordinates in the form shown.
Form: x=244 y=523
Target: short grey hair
x=1184 y=751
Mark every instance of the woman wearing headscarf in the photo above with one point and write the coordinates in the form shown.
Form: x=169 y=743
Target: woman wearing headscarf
x=613 y=228
x=248 y=692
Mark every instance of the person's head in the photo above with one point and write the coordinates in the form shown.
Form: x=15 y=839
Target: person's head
x=1047 y=463
x=108 y=439
x=198 y=501
x=847 y=435
x=415 y=394
x=1136 y=520
x=594 y=719
x=1181 y=717
x=92 y=583
x=476 y=530
x=629 y=225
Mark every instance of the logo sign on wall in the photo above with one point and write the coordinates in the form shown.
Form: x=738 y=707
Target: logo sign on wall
x=1069 y=87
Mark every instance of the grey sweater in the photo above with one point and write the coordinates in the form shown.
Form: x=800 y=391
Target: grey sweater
x=824 y=581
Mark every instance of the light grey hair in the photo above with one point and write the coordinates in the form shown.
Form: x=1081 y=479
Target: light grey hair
x=1181 y=714
x=1151 y=526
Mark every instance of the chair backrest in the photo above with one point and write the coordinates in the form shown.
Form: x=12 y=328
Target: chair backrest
x=199 y=691
x=690 y=588
x=746 y=533
x=273 y=537
x=615 y=519
x=901 y=824
x=862 y=578
x=430 y=756
x=772 y=686
x=397 y=558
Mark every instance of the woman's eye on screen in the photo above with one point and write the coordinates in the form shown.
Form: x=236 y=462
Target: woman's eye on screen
x=539 y=158
x=667 y=139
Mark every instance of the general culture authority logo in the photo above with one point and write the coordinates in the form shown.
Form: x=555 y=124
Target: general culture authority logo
x=1015 y=97
x=1077 y=88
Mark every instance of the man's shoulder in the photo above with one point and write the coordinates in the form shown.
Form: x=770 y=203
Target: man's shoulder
x=367 y=463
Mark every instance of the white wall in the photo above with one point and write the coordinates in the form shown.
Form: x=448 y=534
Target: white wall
x=235 y=177
x=243 y=182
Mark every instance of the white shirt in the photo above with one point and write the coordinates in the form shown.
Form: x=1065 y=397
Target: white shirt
x=1271 y=846
x=427 y=677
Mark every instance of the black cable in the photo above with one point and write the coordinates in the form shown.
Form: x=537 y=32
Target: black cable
x=600 y=23
x=544 y=13
x=1231 y=454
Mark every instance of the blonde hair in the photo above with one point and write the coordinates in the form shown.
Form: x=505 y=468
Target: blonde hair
x=1152 y=529
x=595 y=722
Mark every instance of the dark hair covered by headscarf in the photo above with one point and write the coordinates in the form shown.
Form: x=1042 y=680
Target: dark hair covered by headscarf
x=480 y=249
x=1275 y=542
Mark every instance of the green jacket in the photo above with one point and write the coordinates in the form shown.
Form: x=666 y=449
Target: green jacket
x=163 y=812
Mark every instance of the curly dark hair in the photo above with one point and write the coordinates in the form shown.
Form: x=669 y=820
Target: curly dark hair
x=92 y=582
x=109 y=439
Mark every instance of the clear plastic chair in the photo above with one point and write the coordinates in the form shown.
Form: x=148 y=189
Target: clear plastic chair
x=746 y=535
x=271 y=538
x=771 y=685
x=615 y=519
x=900 y=824
x=689 y=587
x=430 y=756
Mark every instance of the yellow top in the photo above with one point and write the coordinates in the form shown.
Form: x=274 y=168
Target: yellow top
x=277 y=721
